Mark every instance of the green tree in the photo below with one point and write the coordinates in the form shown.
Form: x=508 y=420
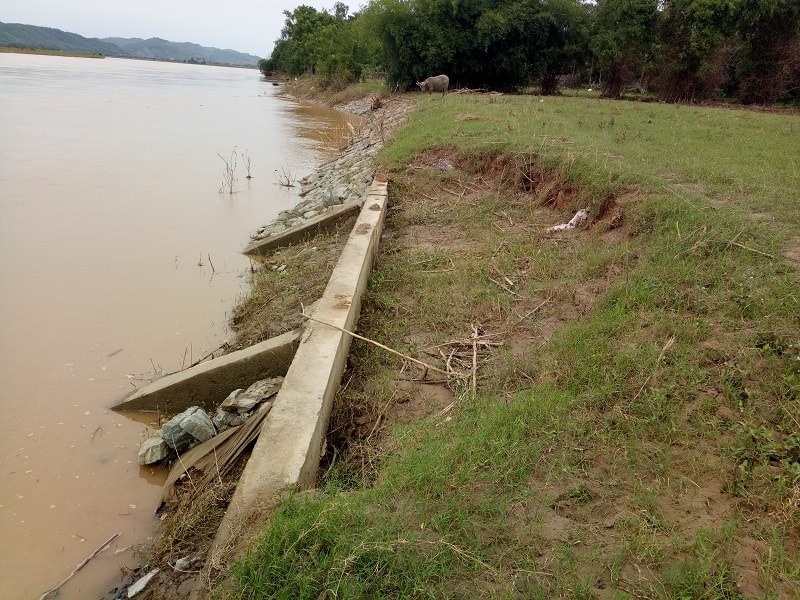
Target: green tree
x=622 y=41
x=566 y=45
x=398 y=28
x=765 y=56
x=296 y=51
x=692 y=34
x=500 y=44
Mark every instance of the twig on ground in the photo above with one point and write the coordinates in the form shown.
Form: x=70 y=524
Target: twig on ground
x=364 y=339
x=474 y=359
x=52 y=593
x=380 y=416
x=752 y=249
x=505 y=287
x=483 y=340
x=532 y=311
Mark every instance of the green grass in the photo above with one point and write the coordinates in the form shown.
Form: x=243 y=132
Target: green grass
x=636 y=435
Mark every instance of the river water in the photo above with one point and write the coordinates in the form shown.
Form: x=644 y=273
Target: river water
x=119 y=257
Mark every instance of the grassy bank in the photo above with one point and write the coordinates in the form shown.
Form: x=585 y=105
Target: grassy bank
x=622 y=414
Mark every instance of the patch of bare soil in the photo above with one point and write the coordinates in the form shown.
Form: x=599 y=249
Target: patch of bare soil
x=792 y=252
x=425 y=229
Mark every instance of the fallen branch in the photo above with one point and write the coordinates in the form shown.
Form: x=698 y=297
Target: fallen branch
x=474 y=359
x=530 y=312
x=751 y=249
x=54 y=592
x=506 y=288
x=482 y=341
x=378 y=344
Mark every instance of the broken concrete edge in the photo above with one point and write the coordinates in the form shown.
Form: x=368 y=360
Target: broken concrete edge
x=209 y=383
x=309 y=228
x=288 y=450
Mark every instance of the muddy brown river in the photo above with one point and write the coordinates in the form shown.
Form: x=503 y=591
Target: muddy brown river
x=119 y=260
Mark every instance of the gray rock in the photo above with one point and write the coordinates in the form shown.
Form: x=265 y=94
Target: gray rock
x=153 y=450
x=182 y=564
x=187 y=428
x=225 y=420
x=199 y=425
x=174 y=435
x=245 y=401
x=239 y=404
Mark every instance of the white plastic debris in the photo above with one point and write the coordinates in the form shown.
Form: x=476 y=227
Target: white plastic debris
x=141 y=583
x=576 y=221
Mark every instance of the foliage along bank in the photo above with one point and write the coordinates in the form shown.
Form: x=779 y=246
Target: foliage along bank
x=682 y=50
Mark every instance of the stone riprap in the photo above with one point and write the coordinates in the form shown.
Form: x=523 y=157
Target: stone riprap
x=239 y=404
x=153 y=450
x=187 y=429
x=347 y=177
x=194 y=425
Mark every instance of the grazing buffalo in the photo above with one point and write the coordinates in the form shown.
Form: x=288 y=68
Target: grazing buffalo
x=435 y=84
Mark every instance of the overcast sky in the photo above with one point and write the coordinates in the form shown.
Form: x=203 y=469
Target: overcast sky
x=250 y=26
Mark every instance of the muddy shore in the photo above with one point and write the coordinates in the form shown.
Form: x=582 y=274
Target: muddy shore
x=346 y=177
x=177 y=568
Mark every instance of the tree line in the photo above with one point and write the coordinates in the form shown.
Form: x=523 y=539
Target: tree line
x=680 y=50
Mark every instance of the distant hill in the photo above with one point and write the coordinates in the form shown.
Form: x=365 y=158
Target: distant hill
x=16 y=35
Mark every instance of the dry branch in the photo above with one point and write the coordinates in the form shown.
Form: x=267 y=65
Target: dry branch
x=364 y=339
x=752 y=250
x=52 y=593
x=532 y=311
x=474 y=359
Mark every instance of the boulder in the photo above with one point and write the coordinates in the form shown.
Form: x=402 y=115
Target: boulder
x=239 y=404
x=186 y=429
x=199 y=425
x=153 y=450
x=240 y=401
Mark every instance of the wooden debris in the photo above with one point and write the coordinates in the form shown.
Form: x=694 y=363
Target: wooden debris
x=52 y=593
x=215 y=457
x=379 y=345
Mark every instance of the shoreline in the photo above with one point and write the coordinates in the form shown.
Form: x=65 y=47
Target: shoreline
x=345 y=178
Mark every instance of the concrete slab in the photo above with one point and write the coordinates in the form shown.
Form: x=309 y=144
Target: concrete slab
x=209 y=383
x=309 y=228
x=291 y=442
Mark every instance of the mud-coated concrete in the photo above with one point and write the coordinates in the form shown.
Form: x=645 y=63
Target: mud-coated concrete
x=291 y=442
x=209 y=383
x=309 y=228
